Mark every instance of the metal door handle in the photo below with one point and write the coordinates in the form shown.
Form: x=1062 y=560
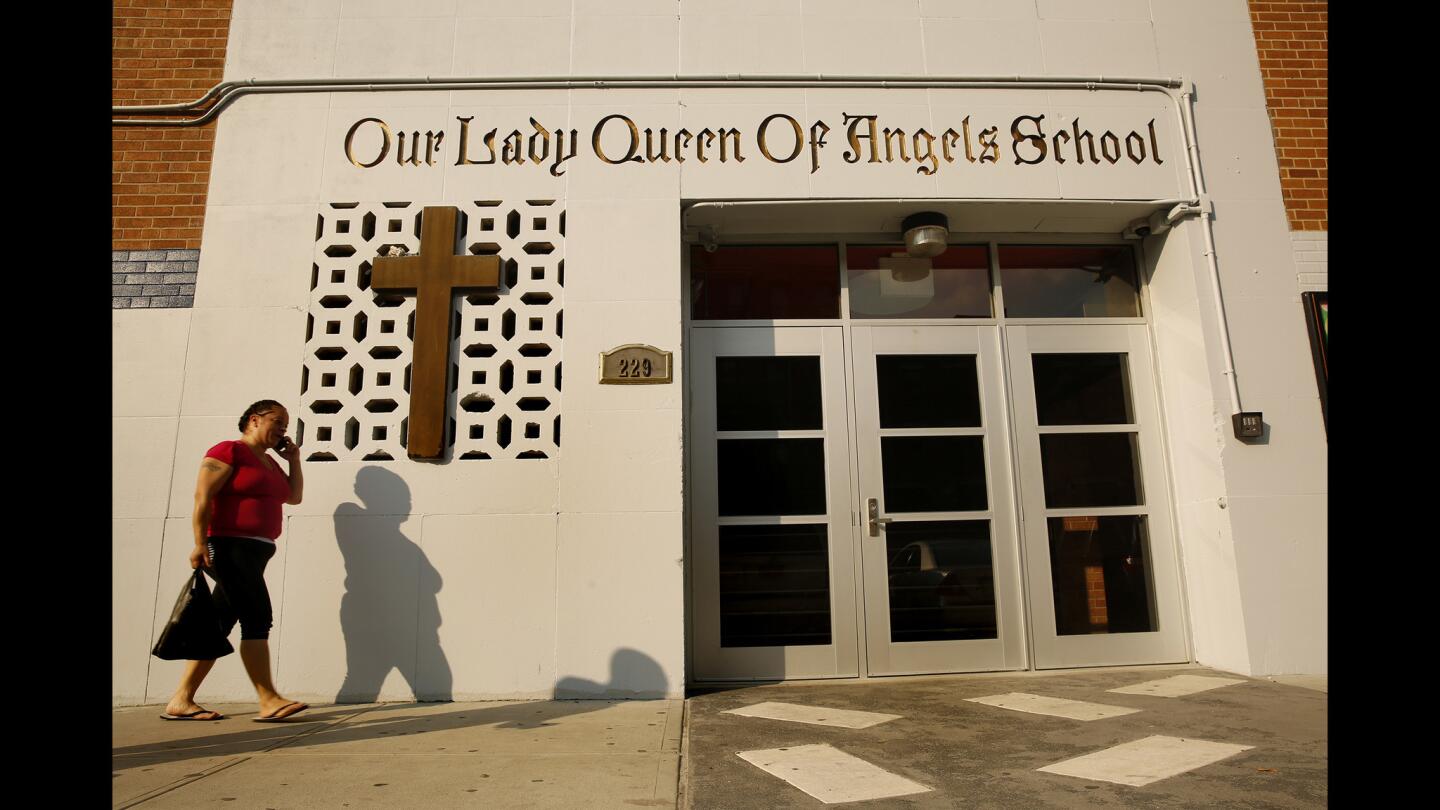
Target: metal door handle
x=872 y=510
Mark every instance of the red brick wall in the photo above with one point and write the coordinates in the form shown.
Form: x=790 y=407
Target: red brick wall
x=165 y=52
x=1291 y=38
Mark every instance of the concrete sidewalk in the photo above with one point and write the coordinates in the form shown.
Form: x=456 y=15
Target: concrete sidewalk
x=618 y=754
x=1266 y=742
x=547 y=754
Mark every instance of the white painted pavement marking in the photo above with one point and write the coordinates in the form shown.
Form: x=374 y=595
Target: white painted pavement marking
x=1144 y=761
x=1178 y=686
x=1058 y=707
x=831 y=775
x=815 y=715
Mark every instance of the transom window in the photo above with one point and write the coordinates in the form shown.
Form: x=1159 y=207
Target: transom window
x=879 y=281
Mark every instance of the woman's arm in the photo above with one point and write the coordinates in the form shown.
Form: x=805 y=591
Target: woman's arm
x=213 y=473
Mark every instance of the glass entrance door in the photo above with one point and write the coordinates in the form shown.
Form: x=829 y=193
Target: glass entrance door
x=937 y=527
x=1103 y=578
x=905 y=467
x=773 y=574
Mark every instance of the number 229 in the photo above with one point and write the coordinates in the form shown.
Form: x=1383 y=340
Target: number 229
x=635 y=368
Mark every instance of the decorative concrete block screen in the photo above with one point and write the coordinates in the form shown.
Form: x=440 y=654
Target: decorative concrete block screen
x=504 y=382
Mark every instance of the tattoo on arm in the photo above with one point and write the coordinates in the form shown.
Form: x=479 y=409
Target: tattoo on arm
x=213 y=466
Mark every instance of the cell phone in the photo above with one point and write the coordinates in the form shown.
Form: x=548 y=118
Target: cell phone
x=283 y=443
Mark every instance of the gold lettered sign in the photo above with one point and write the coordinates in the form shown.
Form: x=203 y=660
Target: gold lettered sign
x=634 y=364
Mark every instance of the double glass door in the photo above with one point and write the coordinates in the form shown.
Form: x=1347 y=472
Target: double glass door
x=901 y=499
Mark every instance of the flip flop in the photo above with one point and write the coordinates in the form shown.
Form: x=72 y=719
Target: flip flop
x=278 y=716
x=194 y=716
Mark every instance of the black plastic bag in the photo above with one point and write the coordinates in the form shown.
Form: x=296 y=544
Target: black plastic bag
x=193 y=632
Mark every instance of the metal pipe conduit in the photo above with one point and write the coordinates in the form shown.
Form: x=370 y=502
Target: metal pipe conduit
x=1196 y=205
x=1187 y=115
x=226 y=93
x=208 y=107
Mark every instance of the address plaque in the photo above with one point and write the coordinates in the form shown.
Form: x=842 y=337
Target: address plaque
x=635 y=364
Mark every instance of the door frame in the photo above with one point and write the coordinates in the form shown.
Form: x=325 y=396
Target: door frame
x=839 y=658
x=992 y=240
x=1167 y=644
x=1008 y=650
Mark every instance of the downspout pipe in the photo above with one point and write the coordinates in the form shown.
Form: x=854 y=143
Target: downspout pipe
x=1207 y=226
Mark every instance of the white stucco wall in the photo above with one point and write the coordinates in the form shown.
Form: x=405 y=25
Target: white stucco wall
x=1275 y=487
x=508 y=578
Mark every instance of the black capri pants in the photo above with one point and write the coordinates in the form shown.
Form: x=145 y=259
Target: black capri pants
x=237 y=564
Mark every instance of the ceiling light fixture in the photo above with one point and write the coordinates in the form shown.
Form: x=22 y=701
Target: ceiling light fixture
x=926 y=234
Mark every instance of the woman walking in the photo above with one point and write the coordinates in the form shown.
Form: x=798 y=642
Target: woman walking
x=236 y=521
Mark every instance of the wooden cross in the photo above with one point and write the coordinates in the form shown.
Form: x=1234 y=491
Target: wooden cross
x=435 y=274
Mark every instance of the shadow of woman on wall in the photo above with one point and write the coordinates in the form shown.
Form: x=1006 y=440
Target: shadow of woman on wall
x=389 y=613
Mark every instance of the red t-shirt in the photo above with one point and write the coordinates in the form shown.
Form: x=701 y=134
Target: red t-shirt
x=248 y=504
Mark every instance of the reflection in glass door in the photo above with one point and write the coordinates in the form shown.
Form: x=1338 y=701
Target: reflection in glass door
x=937 y=524
x=1104 y=584
x=773 y=564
